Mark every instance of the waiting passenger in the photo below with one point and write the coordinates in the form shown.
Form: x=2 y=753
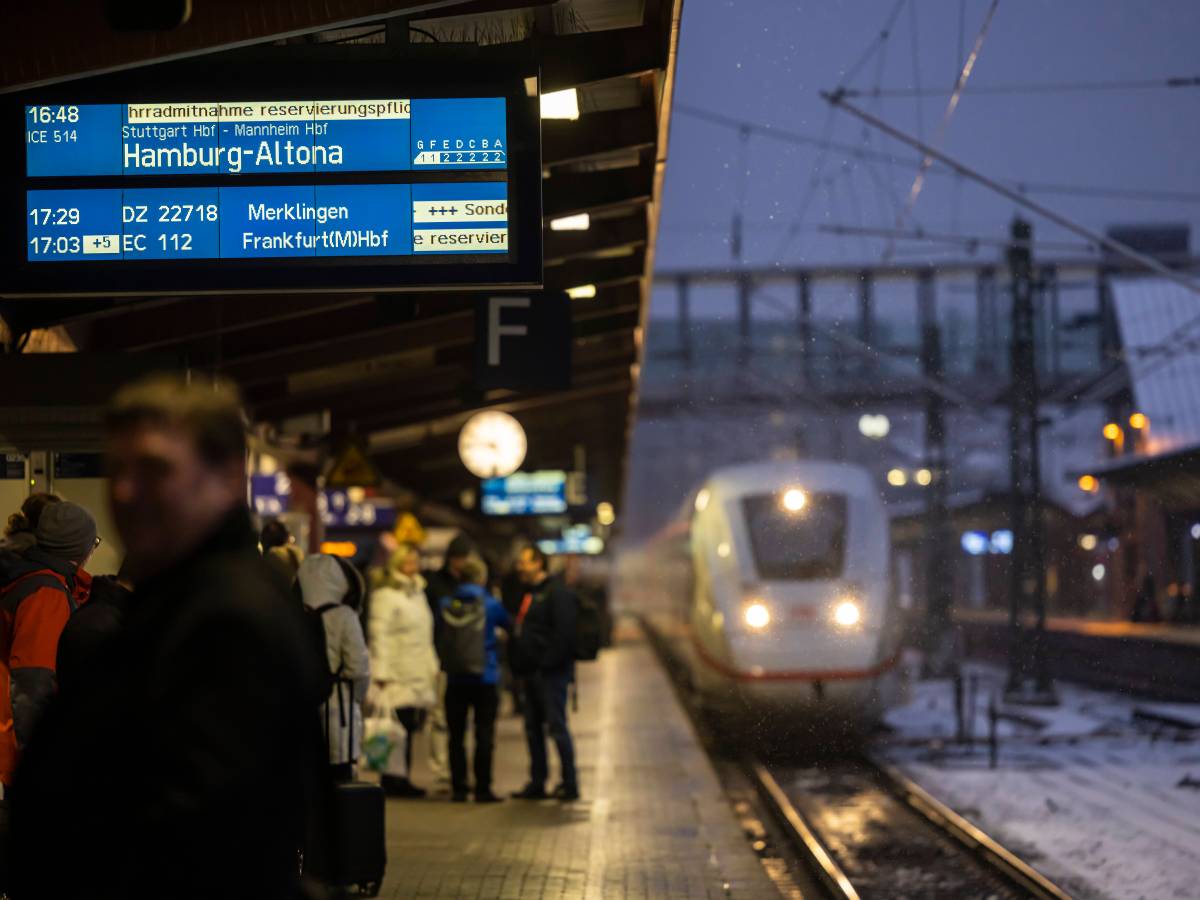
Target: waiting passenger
x=332 y=589
x=543 y=654
x=87 y=639
x=441 y=583
x=188 y=768
x=274 y=534
x=286 y=560
x=43 y=585
x=19 y=532
x=466 y=645
x=404 y=665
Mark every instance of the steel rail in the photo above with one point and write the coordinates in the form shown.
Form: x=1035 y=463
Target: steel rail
x=801 y=834
x=982 y=845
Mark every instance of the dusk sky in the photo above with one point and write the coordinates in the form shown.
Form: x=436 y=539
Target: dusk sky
x=764 y=62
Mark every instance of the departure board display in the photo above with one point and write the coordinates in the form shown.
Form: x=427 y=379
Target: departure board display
x=386 y=190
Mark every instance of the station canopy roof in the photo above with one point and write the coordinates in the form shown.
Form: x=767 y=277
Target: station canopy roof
x=396 y=370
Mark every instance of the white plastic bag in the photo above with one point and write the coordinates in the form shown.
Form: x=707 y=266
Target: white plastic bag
x=384 y=743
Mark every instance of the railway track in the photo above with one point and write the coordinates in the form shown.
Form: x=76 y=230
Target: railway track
x=863 y=829
x=867 y=831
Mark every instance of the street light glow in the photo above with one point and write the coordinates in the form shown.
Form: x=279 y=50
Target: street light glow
x=1112 y=431
x=1089 y=484
x=897 y=478
x=605 y=514
x=924 y=477
x=1138 y=421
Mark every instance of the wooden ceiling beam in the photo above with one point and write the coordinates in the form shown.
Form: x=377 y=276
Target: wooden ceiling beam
x=573 y=60
x=435 y=415
x=613 y=271
x=435 y=327
x=198 y=318
x=271 y=360
x=42 y=43
x=597 y=134
x=569 y=193
x=602 y=237
x=443 y=387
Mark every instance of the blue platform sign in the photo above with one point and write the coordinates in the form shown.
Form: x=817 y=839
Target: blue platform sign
x=182 y=220
x=270 y=496
x=459 y=134
x=525 y=494
x=264 y=137
x=127 y=185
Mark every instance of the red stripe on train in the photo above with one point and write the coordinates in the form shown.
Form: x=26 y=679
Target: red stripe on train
x=820 y=675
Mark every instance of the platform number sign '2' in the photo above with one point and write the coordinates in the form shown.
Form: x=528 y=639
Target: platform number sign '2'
x=523 y=342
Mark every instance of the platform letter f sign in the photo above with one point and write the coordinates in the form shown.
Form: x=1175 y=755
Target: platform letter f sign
x=497 y=305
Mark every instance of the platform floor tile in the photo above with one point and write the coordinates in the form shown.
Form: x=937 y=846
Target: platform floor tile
x=653 y=821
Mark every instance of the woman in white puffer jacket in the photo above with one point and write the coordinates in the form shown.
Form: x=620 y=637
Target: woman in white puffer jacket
x=404 y=664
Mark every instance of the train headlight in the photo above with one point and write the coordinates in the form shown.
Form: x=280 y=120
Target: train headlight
x=846 y=613
x=793 y=500
x=756 y=615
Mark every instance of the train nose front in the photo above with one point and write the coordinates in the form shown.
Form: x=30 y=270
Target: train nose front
x=806 y=631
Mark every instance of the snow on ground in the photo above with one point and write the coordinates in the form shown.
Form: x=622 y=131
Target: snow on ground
x=1101 y=794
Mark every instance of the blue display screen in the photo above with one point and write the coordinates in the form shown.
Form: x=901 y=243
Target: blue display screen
x=267 y=221
x=245 y=138
x=208 y=205
x=525 y=494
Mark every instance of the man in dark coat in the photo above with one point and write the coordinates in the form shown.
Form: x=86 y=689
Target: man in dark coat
x=439 y=584
x=446 y=580
x=186 y=766
x=543 y=654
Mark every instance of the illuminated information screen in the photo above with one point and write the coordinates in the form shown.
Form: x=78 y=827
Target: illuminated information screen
x=344 y=178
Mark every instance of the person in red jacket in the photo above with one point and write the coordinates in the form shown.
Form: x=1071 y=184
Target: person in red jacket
x=45 y=585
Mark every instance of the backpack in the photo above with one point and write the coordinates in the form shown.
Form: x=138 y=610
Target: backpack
x=460 y=637
x=315 y=617
x=23 y=574
x=589 y=628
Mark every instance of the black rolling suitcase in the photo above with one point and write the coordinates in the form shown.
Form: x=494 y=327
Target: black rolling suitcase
x=351 y=855
x=355 y=856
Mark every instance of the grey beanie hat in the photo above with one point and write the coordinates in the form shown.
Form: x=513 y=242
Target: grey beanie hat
x=66 y=530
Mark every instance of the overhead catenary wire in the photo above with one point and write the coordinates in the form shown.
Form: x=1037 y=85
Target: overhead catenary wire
x=1147 y=262
x=1029 y=187
x=916 y=66
x=825 y=144
x=964 y=75
x=814 y=184
x=875 y=45
x=1077 y=87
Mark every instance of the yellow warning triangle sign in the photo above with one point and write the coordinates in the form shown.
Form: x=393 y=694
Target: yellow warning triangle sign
x=352 y=468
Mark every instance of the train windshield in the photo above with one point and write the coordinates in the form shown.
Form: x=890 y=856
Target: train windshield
x=797 y=546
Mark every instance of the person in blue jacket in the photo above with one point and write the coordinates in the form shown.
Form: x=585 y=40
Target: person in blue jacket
x=467 y=647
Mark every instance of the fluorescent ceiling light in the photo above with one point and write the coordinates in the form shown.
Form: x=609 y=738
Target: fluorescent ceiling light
x=581 y=222
x=561 y=105
x=583 y=292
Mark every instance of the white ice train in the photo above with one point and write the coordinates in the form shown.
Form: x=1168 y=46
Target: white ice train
x=772 y=589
